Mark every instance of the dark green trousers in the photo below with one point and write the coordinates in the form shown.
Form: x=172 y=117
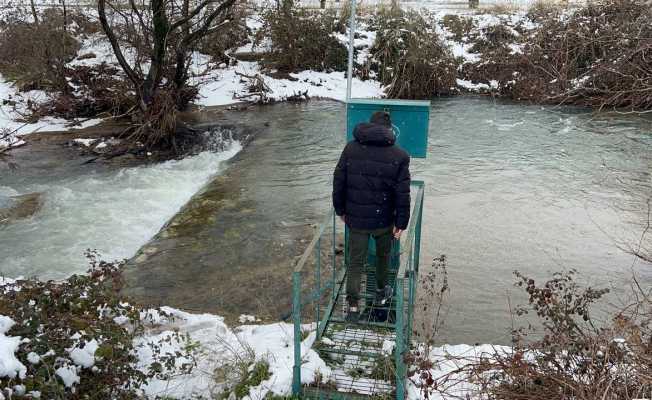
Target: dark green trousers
x=358 y=246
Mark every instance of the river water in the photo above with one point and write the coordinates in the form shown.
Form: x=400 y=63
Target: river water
x=508 y=187
x=113 y=211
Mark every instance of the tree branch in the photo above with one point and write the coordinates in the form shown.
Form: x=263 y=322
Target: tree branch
x=133 y=77
x=191 y=15
x=200 y=32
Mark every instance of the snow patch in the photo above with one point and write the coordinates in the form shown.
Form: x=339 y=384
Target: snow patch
x=33 y=358
x=84 y=356
x=10 y=366
x=85 y=142
x=68 y=375
x=217 y=345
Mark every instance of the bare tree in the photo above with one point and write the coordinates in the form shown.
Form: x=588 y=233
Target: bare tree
x=169 y=30
x=34 y=13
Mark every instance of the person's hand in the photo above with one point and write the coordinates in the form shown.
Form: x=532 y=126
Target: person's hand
x=397 y=233
x=343 y=218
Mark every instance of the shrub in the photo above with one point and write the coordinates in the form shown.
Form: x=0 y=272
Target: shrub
x=576 y=358
x=218 y=44
x=56 y=318
x=245 y=375
x=301 y=40
x=597 y=56
x=460 y=26
x=411 y=59
x=497 y=57
x=573 y=356
x=99 y=89
x=34 y=54
x=541 y=10
x=492 y=38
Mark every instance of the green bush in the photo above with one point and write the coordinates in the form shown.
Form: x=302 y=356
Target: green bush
x=54 y=317
x=248 y=374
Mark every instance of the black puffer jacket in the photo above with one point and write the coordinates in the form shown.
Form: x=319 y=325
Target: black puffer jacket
x=371 y=183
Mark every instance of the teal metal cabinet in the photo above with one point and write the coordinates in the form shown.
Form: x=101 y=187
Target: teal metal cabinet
x=409 y=117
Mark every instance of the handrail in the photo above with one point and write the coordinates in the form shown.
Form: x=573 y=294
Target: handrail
x=311 y=246
x=418 y=204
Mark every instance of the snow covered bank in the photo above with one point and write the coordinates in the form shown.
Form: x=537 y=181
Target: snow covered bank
x=87 y=336
x=12 y=107
x=223 y=84
x=223 y=349
x=226 y=86
x=220 y=346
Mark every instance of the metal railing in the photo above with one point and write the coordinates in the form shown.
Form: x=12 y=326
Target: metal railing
x=318 y=283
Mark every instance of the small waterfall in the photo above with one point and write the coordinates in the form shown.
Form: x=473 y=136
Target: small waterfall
x=115 y=212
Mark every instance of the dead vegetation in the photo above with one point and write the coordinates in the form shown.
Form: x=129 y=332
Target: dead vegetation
x=409 y=57
x=597 y=56
x=34 y=55
x=295 y=40
x=572 y=356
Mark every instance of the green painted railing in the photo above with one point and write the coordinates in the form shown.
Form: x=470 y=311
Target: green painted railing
x=319 y=278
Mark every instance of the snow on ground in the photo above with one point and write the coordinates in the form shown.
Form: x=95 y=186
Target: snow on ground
x=228 y=86
x=468 y=85
x=447 y=361
x=12 y=106
x=218 y=351
x=222 y=347
x=10 y=366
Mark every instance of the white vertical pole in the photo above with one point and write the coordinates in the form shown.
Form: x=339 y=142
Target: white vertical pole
x=349 y=73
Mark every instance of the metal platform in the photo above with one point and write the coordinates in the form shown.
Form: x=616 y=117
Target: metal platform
x=366 y=357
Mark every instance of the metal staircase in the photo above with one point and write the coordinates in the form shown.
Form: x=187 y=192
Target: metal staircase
x=367 y=357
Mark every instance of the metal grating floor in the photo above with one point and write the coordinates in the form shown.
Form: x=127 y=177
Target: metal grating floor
x=360 y=357
x=361 y=354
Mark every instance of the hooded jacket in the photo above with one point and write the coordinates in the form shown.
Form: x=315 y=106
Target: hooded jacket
x=371 y=183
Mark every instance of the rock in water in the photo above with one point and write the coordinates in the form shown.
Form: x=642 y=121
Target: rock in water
x=20 y=207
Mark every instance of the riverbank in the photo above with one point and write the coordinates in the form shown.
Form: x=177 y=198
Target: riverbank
x=159 y=353
x=78 y=337
x=501 y=52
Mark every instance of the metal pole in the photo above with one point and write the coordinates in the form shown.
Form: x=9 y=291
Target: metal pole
x=318 y=282
x=296 y=311
x=349 y=73
x=334 y=254
x=401 y=347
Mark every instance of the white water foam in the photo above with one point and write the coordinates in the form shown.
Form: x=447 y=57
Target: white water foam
x=115 y=213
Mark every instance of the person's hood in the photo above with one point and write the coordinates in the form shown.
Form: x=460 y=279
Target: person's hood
x=374 y=134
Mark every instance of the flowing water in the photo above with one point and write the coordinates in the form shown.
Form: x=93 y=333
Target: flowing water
x=112 y=211
x=508 y=187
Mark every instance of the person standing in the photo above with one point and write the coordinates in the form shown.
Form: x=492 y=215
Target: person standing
x=371 y=194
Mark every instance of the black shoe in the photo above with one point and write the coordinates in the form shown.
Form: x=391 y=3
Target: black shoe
x=352 y=314
x=384 y=296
